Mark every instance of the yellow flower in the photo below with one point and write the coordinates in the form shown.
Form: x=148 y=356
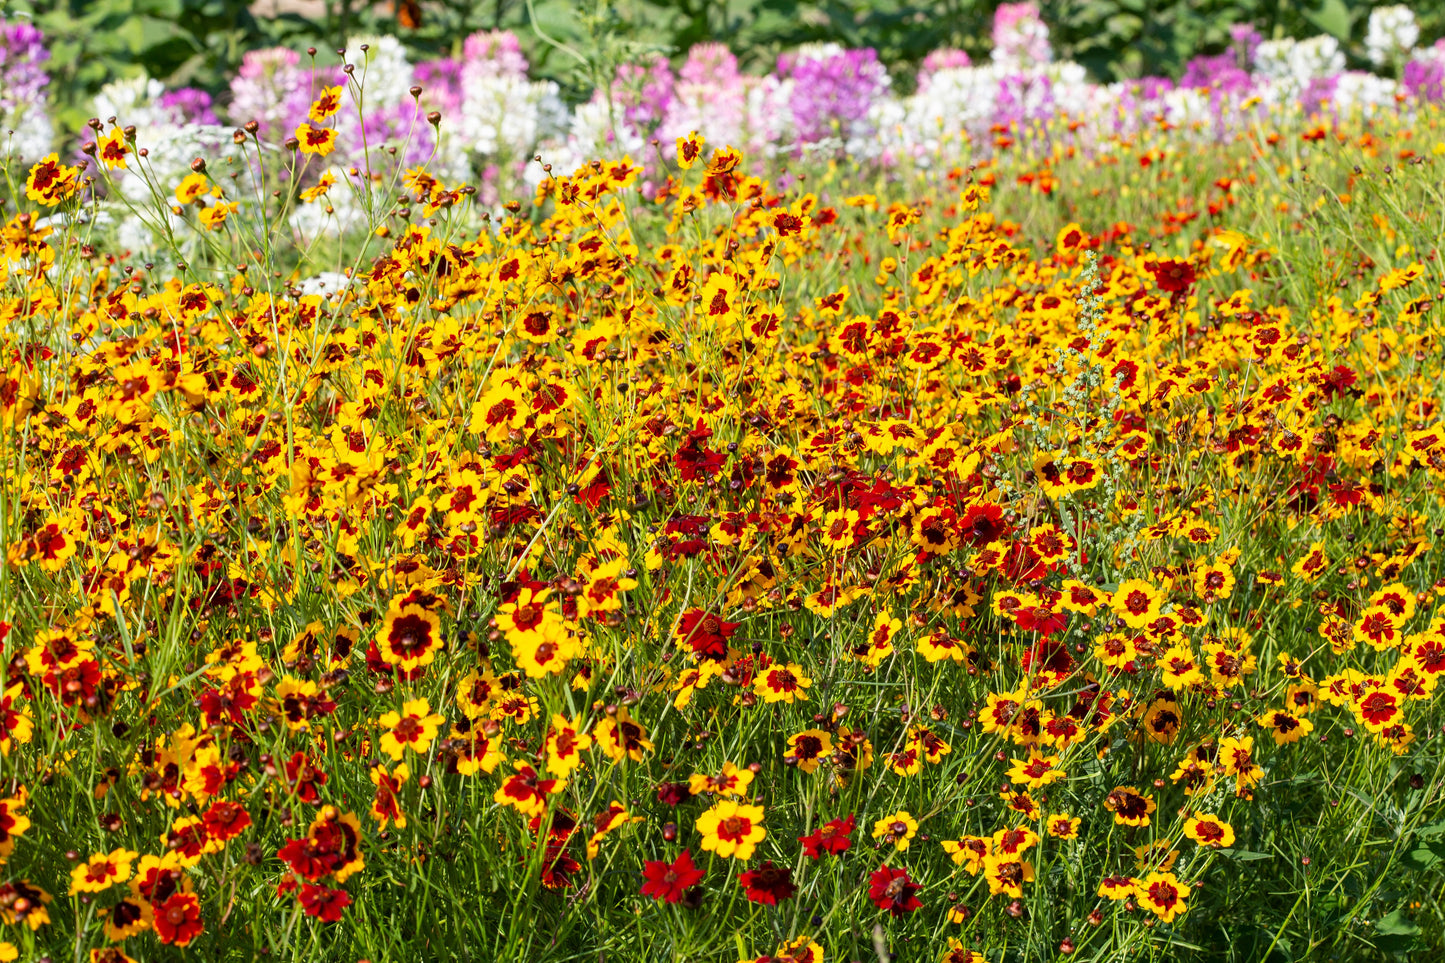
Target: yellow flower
x=565 y=744
x=732 y=829
x=214 y=216
x=112 y=149
x=897 y=829
x=101 y=871
x=622 y=737
x=194 y=186
x=732 y=781
x=782 y=683
x=1162 y=894
x=1063 y=826
x=413 y=728
x=326 y=105
x=325 y=184
x=316 y=140
x=1207 y=829
x=689 y=149
x=51 y=182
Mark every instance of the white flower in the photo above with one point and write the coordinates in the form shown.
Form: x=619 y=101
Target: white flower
x=382 y=70
x=1392 y=33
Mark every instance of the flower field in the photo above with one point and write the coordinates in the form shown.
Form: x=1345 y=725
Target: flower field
x=1022 y=544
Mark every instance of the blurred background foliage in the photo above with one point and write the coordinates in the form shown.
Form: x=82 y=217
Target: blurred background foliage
x=577 y=42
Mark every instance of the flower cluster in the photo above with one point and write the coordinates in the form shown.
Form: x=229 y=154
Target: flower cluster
x=1018 y=552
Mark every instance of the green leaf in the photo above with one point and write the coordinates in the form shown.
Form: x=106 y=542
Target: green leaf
x=1333 y=17
x=1432 y=830
x=1243 y=855
x=1427 y=854
x=1396 y=925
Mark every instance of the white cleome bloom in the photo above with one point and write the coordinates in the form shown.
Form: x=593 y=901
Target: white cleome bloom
x=1391 y=35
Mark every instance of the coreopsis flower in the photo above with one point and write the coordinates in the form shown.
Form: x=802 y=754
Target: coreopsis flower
x=732 y=829
x=1207 y=829
x=16 y=726
x=834 y=836
x=897 y=829
x=1136 y=602
x=1313 y=563
x=214 y=216
x=894 y=891
x=622 y=737
x=533 y=616
x=1162 y=894
x=689 y=149
x=546 y=652
x=526 y=791
x=1036 y=771
x=1236 y=756
x=112 y=149
x=192 y=188
x=1158 y=855
x=326 y=105
x=1063 y=826
x=305 y=777
x=782 y=683
x=51 y=182
x=1012 y=842
x=720 y=299
x=316 y=140
x=768 y=884
x=968 y=852
x=324 y=183
x=1129 y=806
x=1379 y=626
x=385 y=807
x=1285 y=726
x=178 y=920
x=611 y=818
x=1117 y=887
x=800 y=949
x=101 y=871
x=410 y=636
x=1379 y=709
x=128 y=917
x=323 y=902
x=565 y=744
x=1162 y=720
x=414 y=728
x=1172 y=276
x=1007 y=874
x=732 y=781
x=225 y=820
x=603 y=590
x=669 y=881
x=705 y=634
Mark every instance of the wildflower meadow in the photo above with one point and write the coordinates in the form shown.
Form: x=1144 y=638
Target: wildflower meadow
x=961 y=510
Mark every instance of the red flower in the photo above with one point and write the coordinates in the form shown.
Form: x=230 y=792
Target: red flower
x=669 y=881
x=706 y=634
x=983 y=524
x=1173 y=276
x=304 y=776
x=835 y=837
x=323 y=903
x=695 y=459
x=893 y=890
x=178 y=919
x=768 y=884
x=225 y=820
x=673 y=793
